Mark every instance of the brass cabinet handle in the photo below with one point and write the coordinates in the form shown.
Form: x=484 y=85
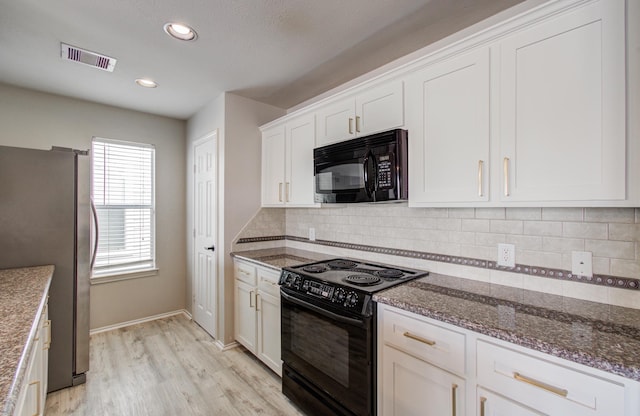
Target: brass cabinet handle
x=280 y=191
x=480 y=167
x=357 y=124
x=257 y=301
x=541 y=385
x=286 y=193
x=47 y=324
x=505 y=168
x=251 y=299
x=483 y=400
x=350 y=125
x=38 y=404
x=419 y=339
x=454 y=388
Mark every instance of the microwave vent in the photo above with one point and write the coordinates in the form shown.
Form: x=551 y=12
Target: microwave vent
x=83 y=56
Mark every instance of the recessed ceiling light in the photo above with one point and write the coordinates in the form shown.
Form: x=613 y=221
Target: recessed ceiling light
x=180 y=31
x=146 y=82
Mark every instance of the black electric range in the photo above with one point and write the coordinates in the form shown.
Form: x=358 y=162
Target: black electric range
x=328 y=333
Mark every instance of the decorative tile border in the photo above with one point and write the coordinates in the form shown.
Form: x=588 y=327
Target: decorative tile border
x=261 y=239
x=596 y=279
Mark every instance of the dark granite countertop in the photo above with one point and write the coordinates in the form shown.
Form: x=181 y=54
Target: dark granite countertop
x=22 y=299
x=594 y=334
x=277 y=258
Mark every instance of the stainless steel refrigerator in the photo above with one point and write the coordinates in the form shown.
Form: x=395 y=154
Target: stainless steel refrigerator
x=45 y=218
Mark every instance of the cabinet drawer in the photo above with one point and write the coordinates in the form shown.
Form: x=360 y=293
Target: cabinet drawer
x=245 y=272
x=545 y=386
x=268 y=281
x=435 y=344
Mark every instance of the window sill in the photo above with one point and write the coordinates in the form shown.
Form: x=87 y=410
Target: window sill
x=109 y=278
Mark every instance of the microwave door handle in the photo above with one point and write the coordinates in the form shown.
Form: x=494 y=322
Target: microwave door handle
x=374 y=185
x=365 y=167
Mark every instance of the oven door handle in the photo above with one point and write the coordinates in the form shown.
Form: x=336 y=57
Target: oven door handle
x=323 y=312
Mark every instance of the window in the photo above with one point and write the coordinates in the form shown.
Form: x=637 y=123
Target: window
x=123 y=190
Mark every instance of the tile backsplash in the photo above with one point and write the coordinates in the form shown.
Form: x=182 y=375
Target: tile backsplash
x=543 y=237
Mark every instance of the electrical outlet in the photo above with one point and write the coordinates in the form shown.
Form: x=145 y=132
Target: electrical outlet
x=582 y=263
x=506 y=255
x=312 y=234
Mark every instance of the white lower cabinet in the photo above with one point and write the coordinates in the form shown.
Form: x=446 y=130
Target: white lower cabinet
x=544 y=386
x=427 y=367
x=257 y=312
x=413 y=387
x=491 y=404
x=34 y=388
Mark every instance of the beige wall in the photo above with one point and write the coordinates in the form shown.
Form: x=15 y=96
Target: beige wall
x=38 y=120
x=239 y=155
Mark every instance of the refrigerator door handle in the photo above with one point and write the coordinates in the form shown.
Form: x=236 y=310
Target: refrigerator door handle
x=95 y=226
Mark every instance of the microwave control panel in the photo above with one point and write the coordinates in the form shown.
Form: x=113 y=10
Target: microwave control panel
x=385 y=170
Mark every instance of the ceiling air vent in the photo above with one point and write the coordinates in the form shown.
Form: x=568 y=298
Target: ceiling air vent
x=71 y=53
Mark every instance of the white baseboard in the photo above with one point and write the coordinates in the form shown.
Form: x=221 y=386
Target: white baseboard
x=140 y=321
x=224 y=347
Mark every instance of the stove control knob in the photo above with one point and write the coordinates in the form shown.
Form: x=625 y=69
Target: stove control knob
x=352 y=299
x=305 y=285
x=284 y=279
x=339 y=295
x=297 y=281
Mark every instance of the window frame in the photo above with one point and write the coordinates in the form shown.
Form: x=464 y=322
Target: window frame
x=122 y=272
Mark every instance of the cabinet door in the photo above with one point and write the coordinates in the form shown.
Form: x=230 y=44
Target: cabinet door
x=411 y=387
x=448 y=122
x=299 y=181
x=269 y=331
x=336 y=122
x=273 y=167
x=245 y=315
x=490 y=404
x=562 y=107
x=380 y=108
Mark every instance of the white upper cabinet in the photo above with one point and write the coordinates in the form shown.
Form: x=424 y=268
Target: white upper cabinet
x=380 y=108
x=448 y=123
x=273 y=169
x=373 y=110
x=562 y=107
x=287 y=163
x=299 y=178
x=532 y=111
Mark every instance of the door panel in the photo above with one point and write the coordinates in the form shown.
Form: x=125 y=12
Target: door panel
x=448 y=120
x=562 y=129
x=205 y=264
x=299 y=184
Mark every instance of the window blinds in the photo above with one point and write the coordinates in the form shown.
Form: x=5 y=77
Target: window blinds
x=123 y=193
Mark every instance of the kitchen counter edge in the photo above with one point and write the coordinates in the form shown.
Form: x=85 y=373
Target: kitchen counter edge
x=412 y=297
x=41 y=277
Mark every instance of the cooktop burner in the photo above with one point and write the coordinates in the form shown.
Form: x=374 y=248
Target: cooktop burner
x=315 y=268
x=363 y=279
x=390 y=273
x=342 y=264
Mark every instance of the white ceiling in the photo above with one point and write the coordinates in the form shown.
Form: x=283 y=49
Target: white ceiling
x=280 y=52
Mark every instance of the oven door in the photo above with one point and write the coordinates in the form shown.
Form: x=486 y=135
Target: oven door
x=331 y=352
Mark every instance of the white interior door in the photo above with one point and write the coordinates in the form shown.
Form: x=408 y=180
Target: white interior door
x=205 y=235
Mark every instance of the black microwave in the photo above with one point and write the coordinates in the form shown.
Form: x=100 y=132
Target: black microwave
x=366 y=169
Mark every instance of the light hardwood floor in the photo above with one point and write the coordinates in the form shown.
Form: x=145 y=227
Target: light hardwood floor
x=170 y=367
